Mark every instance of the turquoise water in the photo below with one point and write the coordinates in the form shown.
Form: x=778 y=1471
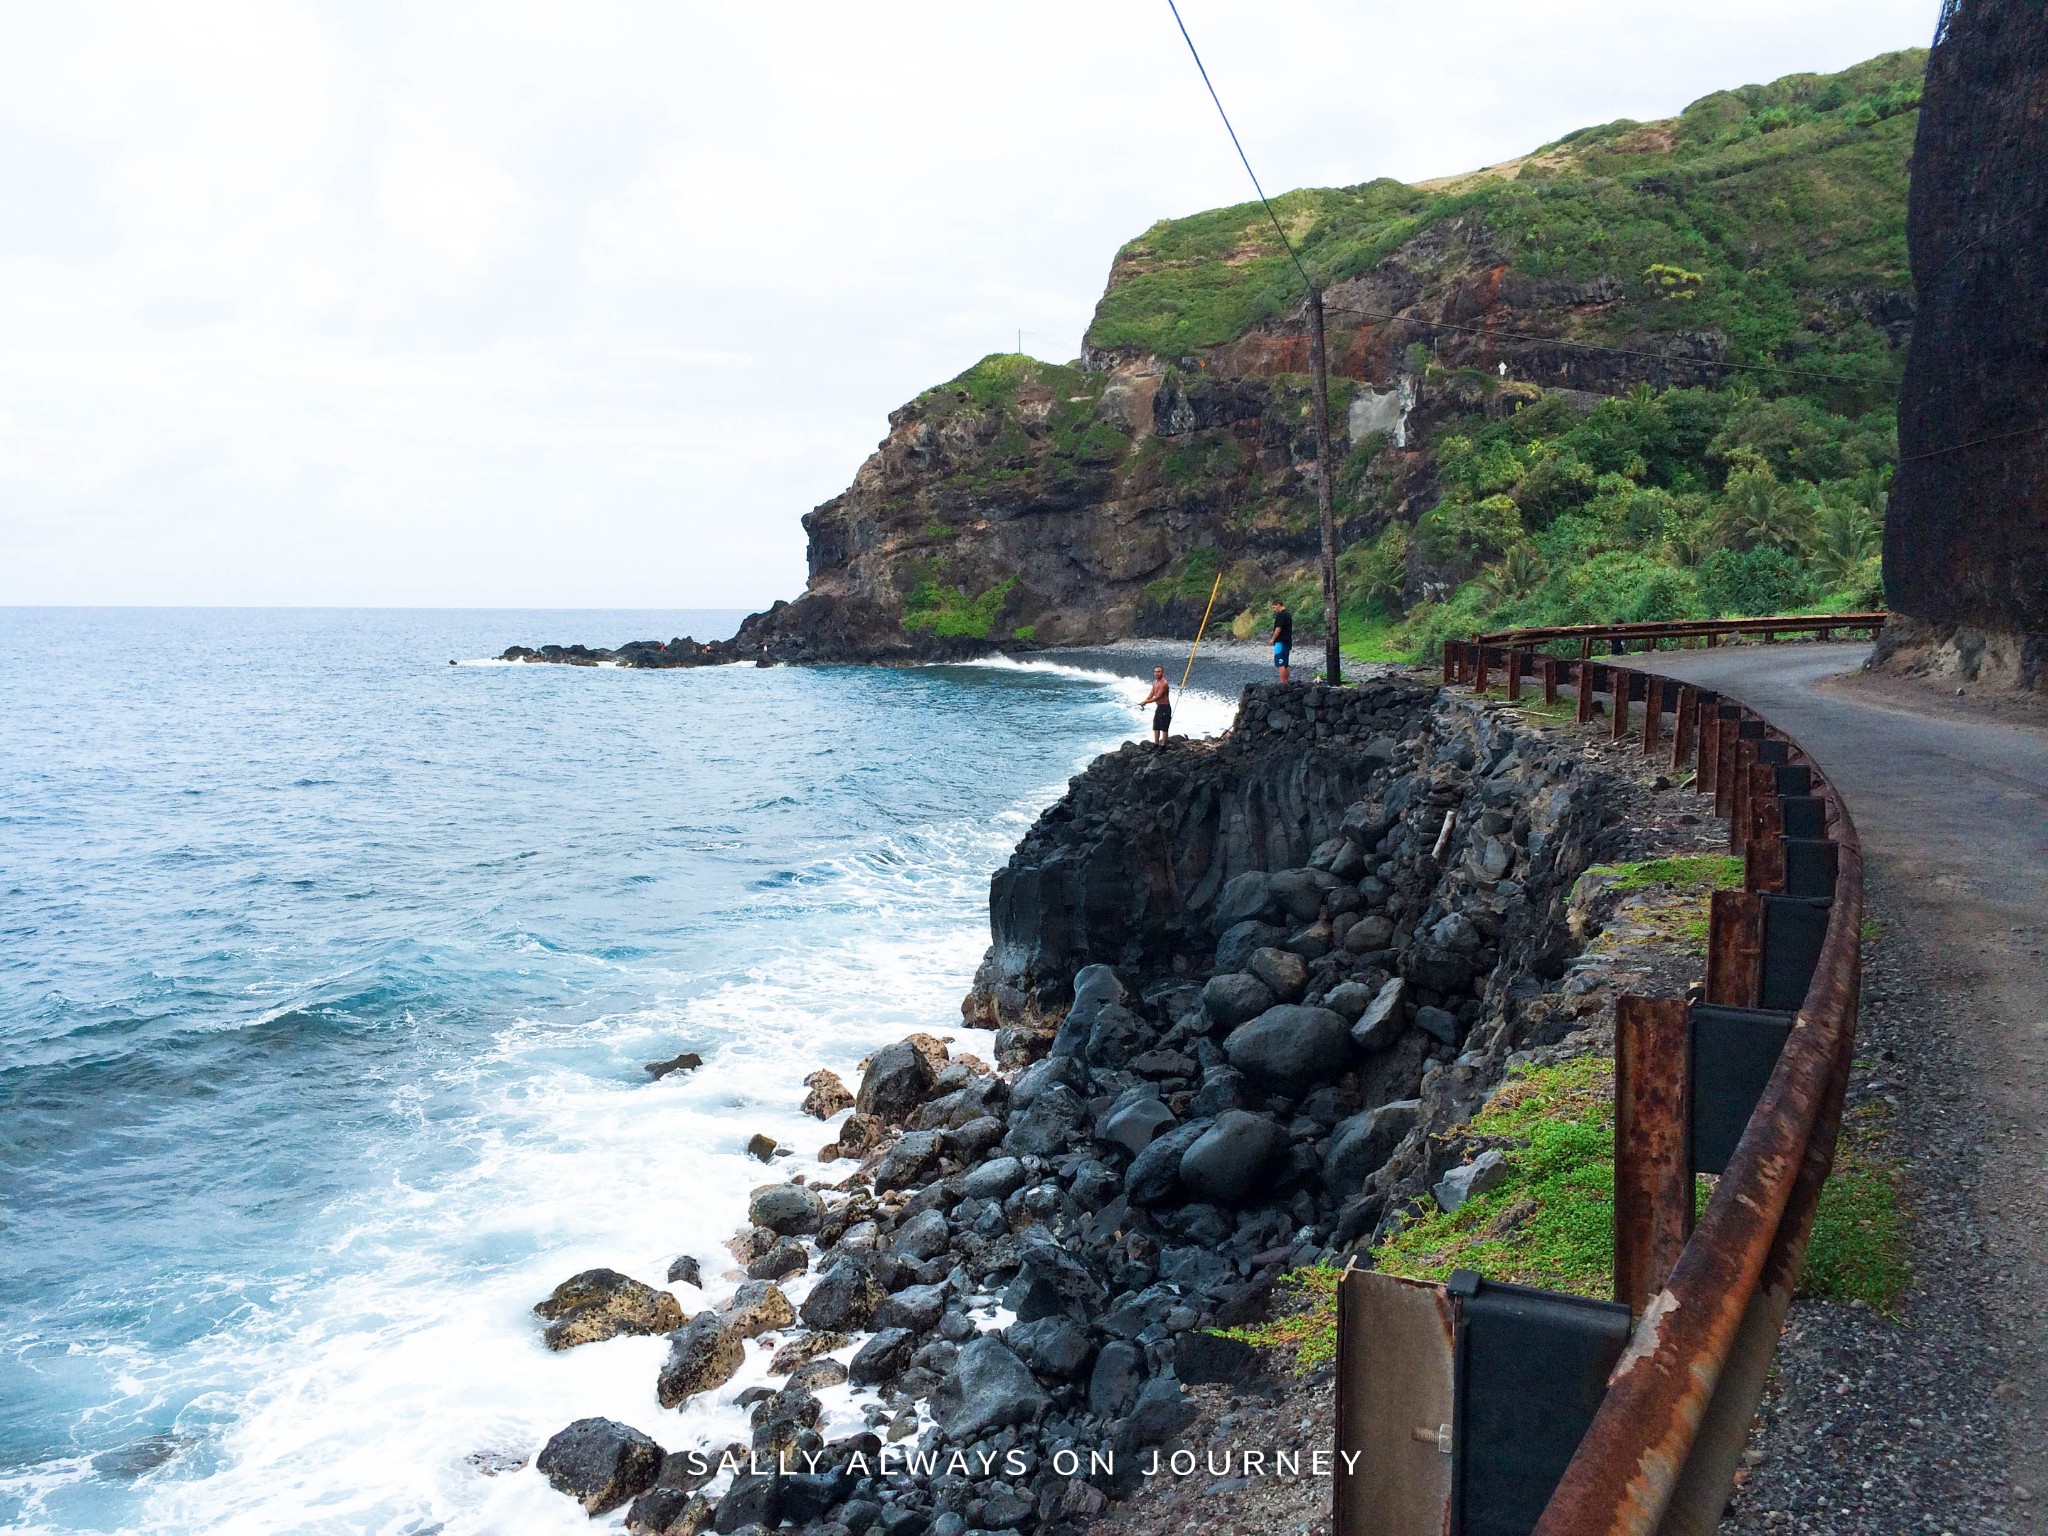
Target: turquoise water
x=327 y=971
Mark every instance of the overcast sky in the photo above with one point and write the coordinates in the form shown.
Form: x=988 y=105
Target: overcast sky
x=585 y=304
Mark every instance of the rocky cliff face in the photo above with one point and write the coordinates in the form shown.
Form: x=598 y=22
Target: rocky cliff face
x=1966 y=544
x=1026 y=503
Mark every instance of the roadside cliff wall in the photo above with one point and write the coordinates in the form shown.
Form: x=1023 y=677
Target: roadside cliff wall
x=1966 y=539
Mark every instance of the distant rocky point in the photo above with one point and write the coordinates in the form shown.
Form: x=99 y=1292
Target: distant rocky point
x=682 y=651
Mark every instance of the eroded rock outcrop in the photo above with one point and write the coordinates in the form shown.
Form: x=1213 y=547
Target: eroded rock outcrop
x=1966 y=533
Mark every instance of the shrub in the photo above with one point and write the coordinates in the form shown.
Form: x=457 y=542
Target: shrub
x=1754 y=581
x=1471 y=533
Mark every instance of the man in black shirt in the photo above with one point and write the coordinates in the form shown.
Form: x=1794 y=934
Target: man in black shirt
x=1283 y=636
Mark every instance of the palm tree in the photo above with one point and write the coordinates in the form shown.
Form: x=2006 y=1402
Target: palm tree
x=1756 y=510
x=1842 y=542
x=1517 y=573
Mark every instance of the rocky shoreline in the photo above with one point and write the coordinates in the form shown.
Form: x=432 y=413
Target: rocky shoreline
x=1240 y=990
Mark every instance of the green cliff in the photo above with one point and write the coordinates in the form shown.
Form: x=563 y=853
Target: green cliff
x=1537 y=411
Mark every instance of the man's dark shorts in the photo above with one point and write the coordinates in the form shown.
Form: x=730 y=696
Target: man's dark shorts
x=1162 y=716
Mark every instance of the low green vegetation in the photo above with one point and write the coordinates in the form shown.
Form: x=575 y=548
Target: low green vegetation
x=1726 y=217
x=1663 y=504
x=1550 y=1223
x=1706 y=871
x=950 y=611
x=1763 y=226
x=1857 y=1251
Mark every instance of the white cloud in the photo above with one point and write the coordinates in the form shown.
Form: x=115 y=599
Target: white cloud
x=586 y=304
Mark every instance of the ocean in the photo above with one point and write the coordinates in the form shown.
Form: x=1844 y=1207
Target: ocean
x=328 y=971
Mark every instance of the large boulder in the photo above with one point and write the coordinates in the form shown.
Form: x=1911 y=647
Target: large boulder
x=603 y=1304
x=1364 y=1142
x=1438 y=1023
x=1240 y=939
x=882 y=1357
x=827 y=1096
x=1115 y=1037
x=1350 y=998
x=702 y=1354
x=1154 y=1174
x=843 y=1300
x=600 y=1463
x=916 y=1307
x=1135 y=1125
x=1053 y=1119
x=1160 y=1413
x=924 y=1236
x=1051 y=1346
x=1095 y=987
x=1375 y=931
x=1484 y=1172
x=757 y=1307
x=908 y=1161
x=1113 y=1384
x=1284 y=972
x=988 y=1388
x=996 y=1179
x=1228 y=1164
x=1299 y=893
x=1247 y=898
x=1231 y=997
x=897 y=1080
x=1291 y=1049
x=664 y=1511
x=1044 y=1257
x=1380 y=1024
x=789 y=1209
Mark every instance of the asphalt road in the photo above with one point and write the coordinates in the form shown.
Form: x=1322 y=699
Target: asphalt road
x=1951 y=803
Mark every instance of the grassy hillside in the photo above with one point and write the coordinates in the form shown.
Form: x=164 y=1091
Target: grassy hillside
x=1764 y=226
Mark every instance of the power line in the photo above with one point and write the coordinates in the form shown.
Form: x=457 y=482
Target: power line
x=1976 y=442
x=1284 y=241
x=1587 y=346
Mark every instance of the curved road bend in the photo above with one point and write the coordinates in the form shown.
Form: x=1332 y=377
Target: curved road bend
x=1953 y=813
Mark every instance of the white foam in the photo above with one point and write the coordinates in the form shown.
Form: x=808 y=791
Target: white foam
x=352 y=1401
x=1197 y=712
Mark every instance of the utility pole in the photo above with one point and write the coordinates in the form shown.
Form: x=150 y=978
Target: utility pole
x=1325 y=479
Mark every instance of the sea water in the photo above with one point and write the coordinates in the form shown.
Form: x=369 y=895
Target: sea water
x=328 y=974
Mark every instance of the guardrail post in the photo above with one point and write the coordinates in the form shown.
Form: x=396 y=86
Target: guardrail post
x=1548 y=668
x=1582 y=689
x=1479 y=669
x=1618 y=679
x=1684 y=722
x=1764 y=857
x=1513 y=661
x=1709 y=748
x=1653 y=1200
x=1450 y=661
x=1724 y=761
x=1738 y=795
x=1653 y=712
x=1735 y=947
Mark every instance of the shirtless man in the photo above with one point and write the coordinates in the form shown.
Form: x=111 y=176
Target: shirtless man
x=1162 y=709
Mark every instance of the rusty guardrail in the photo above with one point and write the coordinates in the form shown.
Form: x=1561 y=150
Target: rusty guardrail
x=1709 y=1300
x=1712 y=631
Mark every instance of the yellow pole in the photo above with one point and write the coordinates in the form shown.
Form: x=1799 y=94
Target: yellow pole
x=1218 y=587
